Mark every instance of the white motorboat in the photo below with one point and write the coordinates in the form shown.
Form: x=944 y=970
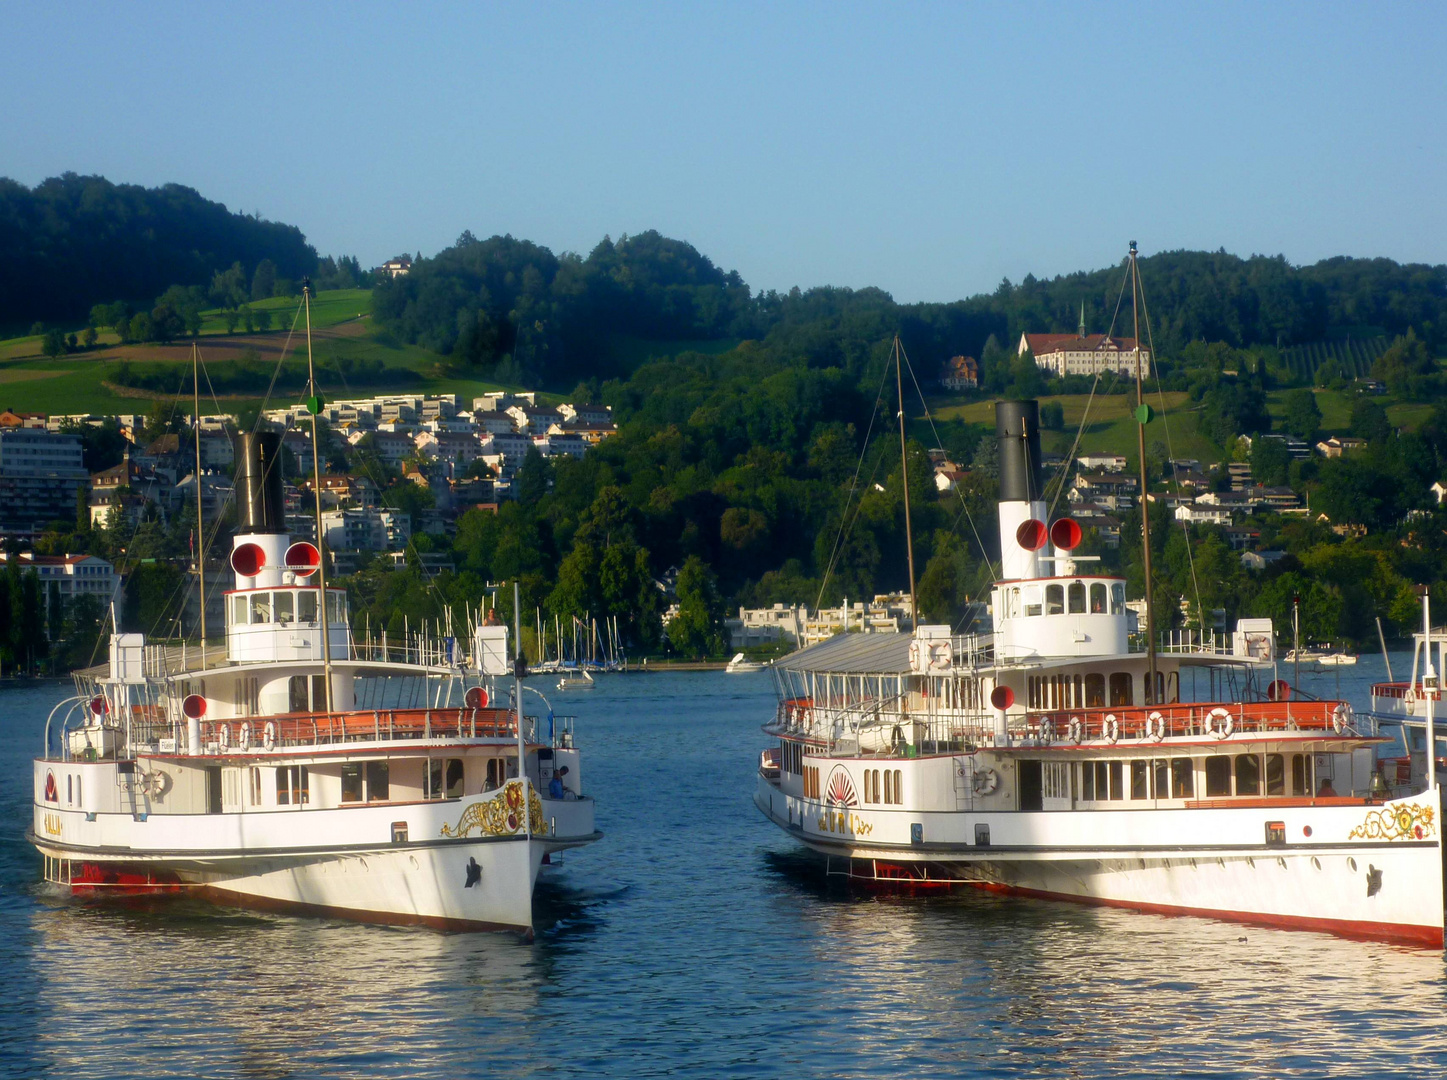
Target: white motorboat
x=741 y=665
x=1053 y=756
x=581 y=681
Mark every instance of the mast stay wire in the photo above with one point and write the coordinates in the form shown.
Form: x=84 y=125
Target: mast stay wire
x=964 y=507
x=1171 y=455
x=275 y=375
x=844 y=520
x=1064 y=469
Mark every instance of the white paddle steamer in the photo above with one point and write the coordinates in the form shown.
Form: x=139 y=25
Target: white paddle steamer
x=304 y=770
x=1058 y=755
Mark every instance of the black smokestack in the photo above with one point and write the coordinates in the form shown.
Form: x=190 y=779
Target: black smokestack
x=258 y=483
x=1017 y=426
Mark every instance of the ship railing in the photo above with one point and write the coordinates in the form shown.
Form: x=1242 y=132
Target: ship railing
x=1194 y=642
x=292 y=730
x=896 y=730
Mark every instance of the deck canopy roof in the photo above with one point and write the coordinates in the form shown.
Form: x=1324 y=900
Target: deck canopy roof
x=855 y=654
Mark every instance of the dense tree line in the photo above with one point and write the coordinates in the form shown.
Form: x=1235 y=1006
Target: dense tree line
x=73 y=241
x=514 y=308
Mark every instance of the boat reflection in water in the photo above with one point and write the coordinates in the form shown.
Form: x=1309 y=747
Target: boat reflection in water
x=234 y=991
x=970 y=981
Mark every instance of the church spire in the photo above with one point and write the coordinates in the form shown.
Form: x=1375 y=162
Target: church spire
x=1082 y=318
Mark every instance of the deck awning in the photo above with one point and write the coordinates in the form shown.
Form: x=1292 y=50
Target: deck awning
x=855 y=654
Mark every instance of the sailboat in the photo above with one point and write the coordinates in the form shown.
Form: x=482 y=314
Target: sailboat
x=1060 y=755
x=300 y=771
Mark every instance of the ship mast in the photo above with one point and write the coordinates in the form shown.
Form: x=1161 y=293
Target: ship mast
x=1142 y=415
x=904 y=476
x=314 y=406
x=200 y=520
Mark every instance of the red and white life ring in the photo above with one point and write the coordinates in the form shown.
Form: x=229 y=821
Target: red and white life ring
x=244 y=742
x=1047 y=732
x=1155 y=729
x=1077 y=730
x=268 y=735
x=1110 y=729
x=1220 y=723
x=1342 y=717
x=223 y=735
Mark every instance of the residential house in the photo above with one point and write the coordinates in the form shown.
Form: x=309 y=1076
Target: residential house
x=765 y=626
x=1113 y=463
x=1339 y=445
x=591 y=432
x=960 y=373
x=356 y=529
x=1241 y=537
x=454 y=450
x=1085 y=354
x=532 y=420
x=1260 y=560
x=1203 y=515
x=1117 y=491
x=585 y=414
x=66 y=577
x=397 y=267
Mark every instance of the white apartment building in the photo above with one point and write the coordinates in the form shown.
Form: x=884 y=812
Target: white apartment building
x=1085 y=354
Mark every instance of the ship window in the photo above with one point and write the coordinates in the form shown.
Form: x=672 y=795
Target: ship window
x=296 y=694
x=1077 y=598
x=1117 y=778
x=285 y=607
x=1054 y=599
x=1087 y=782
x=1079 y=699
x=1275 y=774
x=378 y=781
x=238 y=610
x=306 y=606
x=292 y=784
x=352 y=782
x=1032 y=601
x=1218 y=776
x=1094 y=691
x=1014 y=602
x=261 y=607
x=1097 y=599
x=69 y=790
x=888 y=786
x=1248 y=774
x=1117 y=599
x=1182 y=778
x=1162 y=778
x=898 y=785
x=1300 y=785
x=1140 y=787
x=255 y=785
x=452 y=778
x=1121 y=691
x=337 y=606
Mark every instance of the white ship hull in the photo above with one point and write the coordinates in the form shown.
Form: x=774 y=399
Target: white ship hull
x=1180 y=862
x=452 y=865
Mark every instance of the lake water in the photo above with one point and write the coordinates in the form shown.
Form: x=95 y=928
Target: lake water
x=692 y=941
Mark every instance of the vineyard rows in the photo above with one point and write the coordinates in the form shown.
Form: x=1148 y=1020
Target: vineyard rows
x=1355 y=357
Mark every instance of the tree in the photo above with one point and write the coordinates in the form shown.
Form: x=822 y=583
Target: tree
x=1052 y=416
x=88 y=336
x=232 y=318
x=1406 y=359
x=1303 y=415
x=54 y=344
x=263 y=282
x=263 y=319
x=534 y=477
x=1369 y=421
x=697 y=629
x=1270 y=461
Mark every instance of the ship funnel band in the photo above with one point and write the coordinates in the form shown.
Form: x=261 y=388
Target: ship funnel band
x=1017 y=427
x=258 y=483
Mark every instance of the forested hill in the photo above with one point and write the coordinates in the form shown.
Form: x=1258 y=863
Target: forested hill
x=521 y=313
x=75 y=241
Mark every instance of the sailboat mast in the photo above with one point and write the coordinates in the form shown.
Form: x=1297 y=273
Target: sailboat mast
x=1142 y=414
x=200 y=521
x=314 y=406
x=904 y=476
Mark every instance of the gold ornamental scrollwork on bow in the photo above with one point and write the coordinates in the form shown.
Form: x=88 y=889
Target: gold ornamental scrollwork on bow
x=1407 y=822
x=500 y=815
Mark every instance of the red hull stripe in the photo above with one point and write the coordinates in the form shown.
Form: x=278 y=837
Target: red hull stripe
x=1400 y=933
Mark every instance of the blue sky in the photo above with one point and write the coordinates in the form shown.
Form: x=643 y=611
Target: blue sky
x=928 y=149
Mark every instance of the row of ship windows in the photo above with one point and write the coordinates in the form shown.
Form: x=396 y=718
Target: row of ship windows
x=1221 y=776
x=1090 y=691
x=293 y=605
x=366 y=781
x=1060 y=600
x=893 y=790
